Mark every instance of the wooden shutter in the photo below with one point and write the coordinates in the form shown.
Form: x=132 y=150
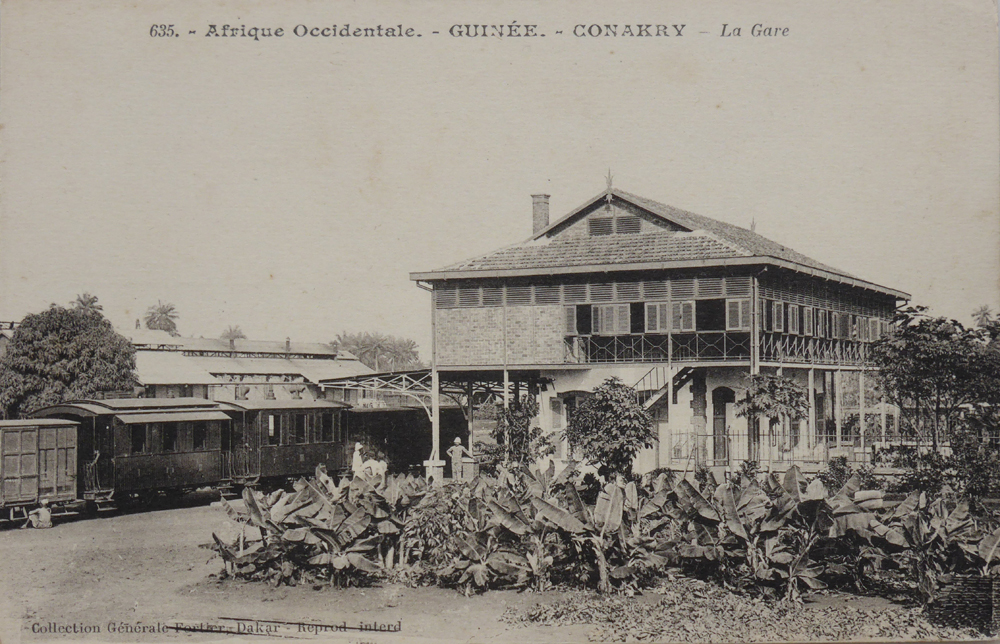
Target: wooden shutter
x=807 y=320
x=793 y=319
x=737 y=315
x=652 y=318
x=778 y=315
x=732 y=315
x=570 y=313
x=623 y=319
x=683 y=316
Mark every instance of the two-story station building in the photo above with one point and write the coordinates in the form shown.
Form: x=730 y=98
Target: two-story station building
x=681 y=306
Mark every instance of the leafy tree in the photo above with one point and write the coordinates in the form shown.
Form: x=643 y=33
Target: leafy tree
x=931 y=368
x=610 y=427
x=777 y=398
x=517 y=440
x=62 y=354
x=162 y=317
x=87 y=303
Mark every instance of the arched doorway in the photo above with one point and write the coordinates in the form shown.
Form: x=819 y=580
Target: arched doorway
x=721 y=397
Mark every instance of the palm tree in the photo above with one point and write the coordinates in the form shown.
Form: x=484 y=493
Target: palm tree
x=982 y=316
x=233 y=333
x=161 y=317
x=404 y=353
x=87 y=303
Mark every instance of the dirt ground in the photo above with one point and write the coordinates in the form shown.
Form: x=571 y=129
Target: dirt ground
x=147 y=568
x=124 y=575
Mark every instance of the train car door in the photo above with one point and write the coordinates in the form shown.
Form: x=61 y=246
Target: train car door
x=57 y=462
x=19 y=468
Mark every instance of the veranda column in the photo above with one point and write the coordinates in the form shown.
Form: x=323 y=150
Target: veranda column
x=435 y=466
x=861 y=413
x=838 y=405
x=811 y=418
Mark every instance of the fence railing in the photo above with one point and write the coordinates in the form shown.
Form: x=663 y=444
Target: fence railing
x=679 y=347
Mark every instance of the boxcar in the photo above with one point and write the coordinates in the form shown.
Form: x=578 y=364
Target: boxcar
x=274 y=439
x=39 y=461
x=134 y=446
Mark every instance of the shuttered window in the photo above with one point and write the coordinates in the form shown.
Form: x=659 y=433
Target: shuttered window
x=778 y=316
x=570 y=312
x=793 y=319
x=492 y=296
x=611 y=319
x=518 y=295
x=601 y=292
x=627 y=291
x=682 y=318
x=628 y=225
x=575 y=293
x=657 y=317
x=600 y=226
x=468 y=297
x=807 y=320
x=446 y=297
x=547 y=294
x=737 y=315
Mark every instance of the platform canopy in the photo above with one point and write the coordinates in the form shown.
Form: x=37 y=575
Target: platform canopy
x=426 y=386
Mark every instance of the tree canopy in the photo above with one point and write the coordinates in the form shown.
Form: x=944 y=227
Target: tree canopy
x=162 y=317
x=62 y=354
x=87 y=303
x=932 y=367
x=233 y=333
x=774 y=397
x=610 y=427
x=379 y=351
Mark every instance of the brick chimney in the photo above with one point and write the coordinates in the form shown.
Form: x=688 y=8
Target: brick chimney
x=539 y=213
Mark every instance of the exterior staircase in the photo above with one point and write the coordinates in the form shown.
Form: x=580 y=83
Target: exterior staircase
x=656 y=384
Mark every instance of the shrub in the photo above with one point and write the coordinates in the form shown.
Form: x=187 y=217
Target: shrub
x=610 y=427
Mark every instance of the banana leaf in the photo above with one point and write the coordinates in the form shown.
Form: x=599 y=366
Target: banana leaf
x=558 y=517
x=361 y=563
x=609 y=508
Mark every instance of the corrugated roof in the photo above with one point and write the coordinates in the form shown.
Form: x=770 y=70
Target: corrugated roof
x=704 y=239
x=311 y=370
x=170 y=368
x=153 y=338
x=171 y=417
x=283 y=404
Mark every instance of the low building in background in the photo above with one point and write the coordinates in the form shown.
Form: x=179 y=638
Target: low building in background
x=224 y=370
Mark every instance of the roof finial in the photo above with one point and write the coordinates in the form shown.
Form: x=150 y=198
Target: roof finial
x=753 y=225
x=607 y=196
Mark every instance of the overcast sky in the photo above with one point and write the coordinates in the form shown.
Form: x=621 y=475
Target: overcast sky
x=290 y=185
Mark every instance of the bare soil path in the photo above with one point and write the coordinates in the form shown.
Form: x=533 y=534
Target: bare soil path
x=124 y=575
x=148 y=568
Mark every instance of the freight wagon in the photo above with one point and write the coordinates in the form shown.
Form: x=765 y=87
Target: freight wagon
x=38 y=460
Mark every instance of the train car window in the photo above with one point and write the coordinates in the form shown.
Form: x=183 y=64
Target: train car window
x=138 y=439
x=326 y=429
x=170 y=437
x=273 y=429
x=200 y=436
x=300 y=429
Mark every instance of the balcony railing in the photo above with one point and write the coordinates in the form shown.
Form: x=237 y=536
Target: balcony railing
x=679 y=347
x=711 y=346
